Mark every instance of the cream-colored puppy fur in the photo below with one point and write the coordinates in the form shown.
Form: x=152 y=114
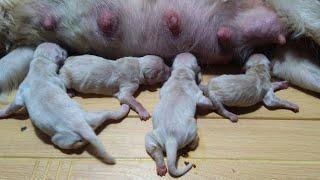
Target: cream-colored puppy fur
x=121 y=78
x=173 y=119
x=44 y=96
x=13 y=69
x=248 y=89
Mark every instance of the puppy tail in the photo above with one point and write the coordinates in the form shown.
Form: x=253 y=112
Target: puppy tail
x=301 y=17
x=171 y=149
x=88 y=134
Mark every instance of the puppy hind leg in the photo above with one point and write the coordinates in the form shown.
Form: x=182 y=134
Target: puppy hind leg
x=95 y=119
x=67 y=141
x=270 y=100
x=155 y=151
x=221 y=110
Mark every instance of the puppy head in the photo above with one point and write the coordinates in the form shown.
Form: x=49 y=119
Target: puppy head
x=187 y=60
x=51 y=51
x=257 y=60
x=154 y=69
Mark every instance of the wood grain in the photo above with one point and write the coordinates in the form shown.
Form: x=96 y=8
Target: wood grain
x=263 y=145
x=220 y=139
x=49 y=169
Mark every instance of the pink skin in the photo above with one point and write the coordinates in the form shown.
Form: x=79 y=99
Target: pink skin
x=48 y=23
x=277 y=86
x=173 y=21
x=281 y=86
x=208 y=28
x=254 y=27
x=106 y=22
x=162 y=170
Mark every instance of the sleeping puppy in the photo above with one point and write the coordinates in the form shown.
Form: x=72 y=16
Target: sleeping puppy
x=121 y=78
x=248 y=89
x=44 y=96
x=174 y=123
x=13 y=69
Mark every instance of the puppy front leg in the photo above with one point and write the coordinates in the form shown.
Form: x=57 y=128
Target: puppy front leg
x=270 y=100
x=126 y=97
x=95 y=119
x=14 y=107
x=154 y=150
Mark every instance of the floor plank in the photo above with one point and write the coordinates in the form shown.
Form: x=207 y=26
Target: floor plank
x=219 y=139
x=17 y=168
x=14 y=168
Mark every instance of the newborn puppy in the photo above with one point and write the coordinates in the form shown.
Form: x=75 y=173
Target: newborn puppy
x=121 y=78
x=247 y=89
x=44 y=96
x=13 y=69
x=173 y=120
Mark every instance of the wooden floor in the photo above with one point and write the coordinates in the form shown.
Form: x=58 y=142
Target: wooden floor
x=263 y=145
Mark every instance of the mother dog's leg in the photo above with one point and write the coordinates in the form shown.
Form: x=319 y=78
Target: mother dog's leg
x=297 y=65
x=299 y=16
x=13 y=69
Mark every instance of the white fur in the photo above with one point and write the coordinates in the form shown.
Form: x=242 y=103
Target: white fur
x=44 y=96
x=13 y=69
x=121 y=78
x=247 y=89
x=173 y=118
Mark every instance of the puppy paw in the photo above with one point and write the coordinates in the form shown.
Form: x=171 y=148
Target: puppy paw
x=144 y=115
x=295 y=108
x=162 y=170
x=233 y=118
x=285 y=85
